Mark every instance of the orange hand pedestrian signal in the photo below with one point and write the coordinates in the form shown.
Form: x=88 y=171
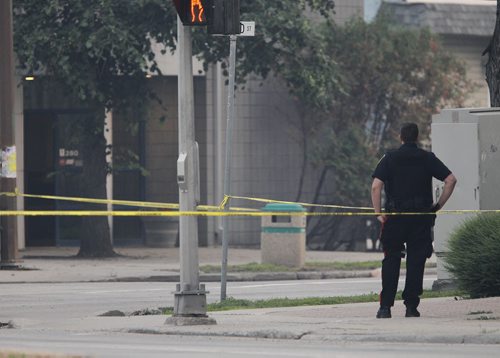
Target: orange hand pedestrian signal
x=197 y=12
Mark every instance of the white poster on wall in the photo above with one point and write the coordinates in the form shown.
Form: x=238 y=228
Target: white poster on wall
x=9 y=167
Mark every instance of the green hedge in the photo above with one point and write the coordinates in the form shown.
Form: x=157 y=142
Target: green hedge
x=474 y=256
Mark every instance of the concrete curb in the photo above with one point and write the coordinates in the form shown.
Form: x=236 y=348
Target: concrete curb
x=260 y=276
x=264 y=333
x=236 y=277
x=231 y=277
x=267 y=276
x=441 y=339
x=312 y=336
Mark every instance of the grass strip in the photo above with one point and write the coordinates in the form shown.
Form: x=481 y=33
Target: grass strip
x=6 y=354
x=239 y=304
x=309 y=266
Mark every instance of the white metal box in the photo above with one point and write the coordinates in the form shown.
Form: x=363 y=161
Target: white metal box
x=468 y=142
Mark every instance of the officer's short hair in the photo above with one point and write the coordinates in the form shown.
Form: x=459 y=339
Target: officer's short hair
x=409 y=132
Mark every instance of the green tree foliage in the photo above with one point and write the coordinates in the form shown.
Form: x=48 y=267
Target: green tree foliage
x=345 y=153
x=98 y=51
x=284 y=35
x=474 y=249
x=96 y=48
x=387 y=75
x=392 y=75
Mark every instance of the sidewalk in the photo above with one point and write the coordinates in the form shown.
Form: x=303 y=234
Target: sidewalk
x=59 y=264
x=444 y=320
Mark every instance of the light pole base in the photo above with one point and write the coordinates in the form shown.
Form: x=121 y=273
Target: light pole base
x=10 y=266
x=190 y=321
x=190 y=306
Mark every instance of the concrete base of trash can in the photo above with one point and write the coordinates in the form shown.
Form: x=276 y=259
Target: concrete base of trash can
x=287 y=250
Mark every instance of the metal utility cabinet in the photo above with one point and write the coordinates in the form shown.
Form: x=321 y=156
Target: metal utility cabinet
x=468 y=142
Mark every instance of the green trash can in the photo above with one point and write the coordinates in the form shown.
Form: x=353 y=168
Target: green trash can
x=283 y=238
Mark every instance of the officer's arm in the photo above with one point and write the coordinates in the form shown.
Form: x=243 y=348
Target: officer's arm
x=449 y=185
x=377 y=186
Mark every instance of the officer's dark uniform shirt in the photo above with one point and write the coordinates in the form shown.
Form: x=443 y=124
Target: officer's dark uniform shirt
x=407 y=175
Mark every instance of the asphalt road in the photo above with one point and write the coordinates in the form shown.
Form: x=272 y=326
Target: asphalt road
x=152 y=346
x=49 y=301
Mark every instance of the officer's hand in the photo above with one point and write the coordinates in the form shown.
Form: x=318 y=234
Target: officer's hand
x=435 y=207
x=382 y=218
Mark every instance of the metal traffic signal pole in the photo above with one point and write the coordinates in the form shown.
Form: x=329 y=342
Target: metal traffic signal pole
x=222 y=18
x=8 y=184
x=190 y=304
x=227 y=165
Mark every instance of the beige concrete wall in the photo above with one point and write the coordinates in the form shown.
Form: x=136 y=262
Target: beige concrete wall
x=214 y=113
x=469 y=49
x=266 y=145
x=266 y=160
x=161 y=142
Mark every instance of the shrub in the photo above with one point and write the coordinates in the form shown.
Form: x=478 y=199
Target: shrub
x=474 y=256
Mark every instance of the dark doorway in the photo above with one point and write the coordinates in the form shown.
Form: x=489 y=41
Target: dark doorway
x=39 y=175
x=53 y=166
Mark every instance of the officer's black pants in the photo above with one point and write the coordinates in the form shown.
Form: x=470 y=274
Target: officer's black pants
x=415 y=231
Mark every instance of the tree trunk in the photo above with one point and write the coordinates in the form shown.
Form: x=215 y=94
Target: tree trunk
x=493 y=64
x=95 y=238
x=303 y=159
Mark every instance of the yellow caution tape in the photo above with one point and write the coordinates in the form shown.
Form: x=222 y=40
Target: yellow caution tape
x=270 y=201
x=215 y=213
x=202 y=210
x=332 y=206
x=173 y=206
x=224 y=202
x=143 y=204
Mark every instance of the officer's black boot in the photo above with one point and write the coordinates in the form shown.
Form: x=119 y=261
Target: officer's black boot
x=384 y=312
x=411 y=311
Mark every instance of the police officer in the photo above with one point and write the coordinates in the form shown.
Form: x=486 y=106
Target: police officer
x=406 y=175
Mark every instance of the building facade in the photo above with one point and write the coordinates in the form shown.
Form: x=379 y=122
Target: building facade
x=465 y=28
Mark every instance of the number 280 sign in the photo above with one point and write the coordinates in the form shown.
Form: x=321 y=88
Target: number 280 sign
x=192 y=12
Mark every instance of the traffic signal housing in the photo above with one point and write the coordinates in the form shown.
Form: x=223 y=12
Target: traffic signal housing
x=223 y=17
